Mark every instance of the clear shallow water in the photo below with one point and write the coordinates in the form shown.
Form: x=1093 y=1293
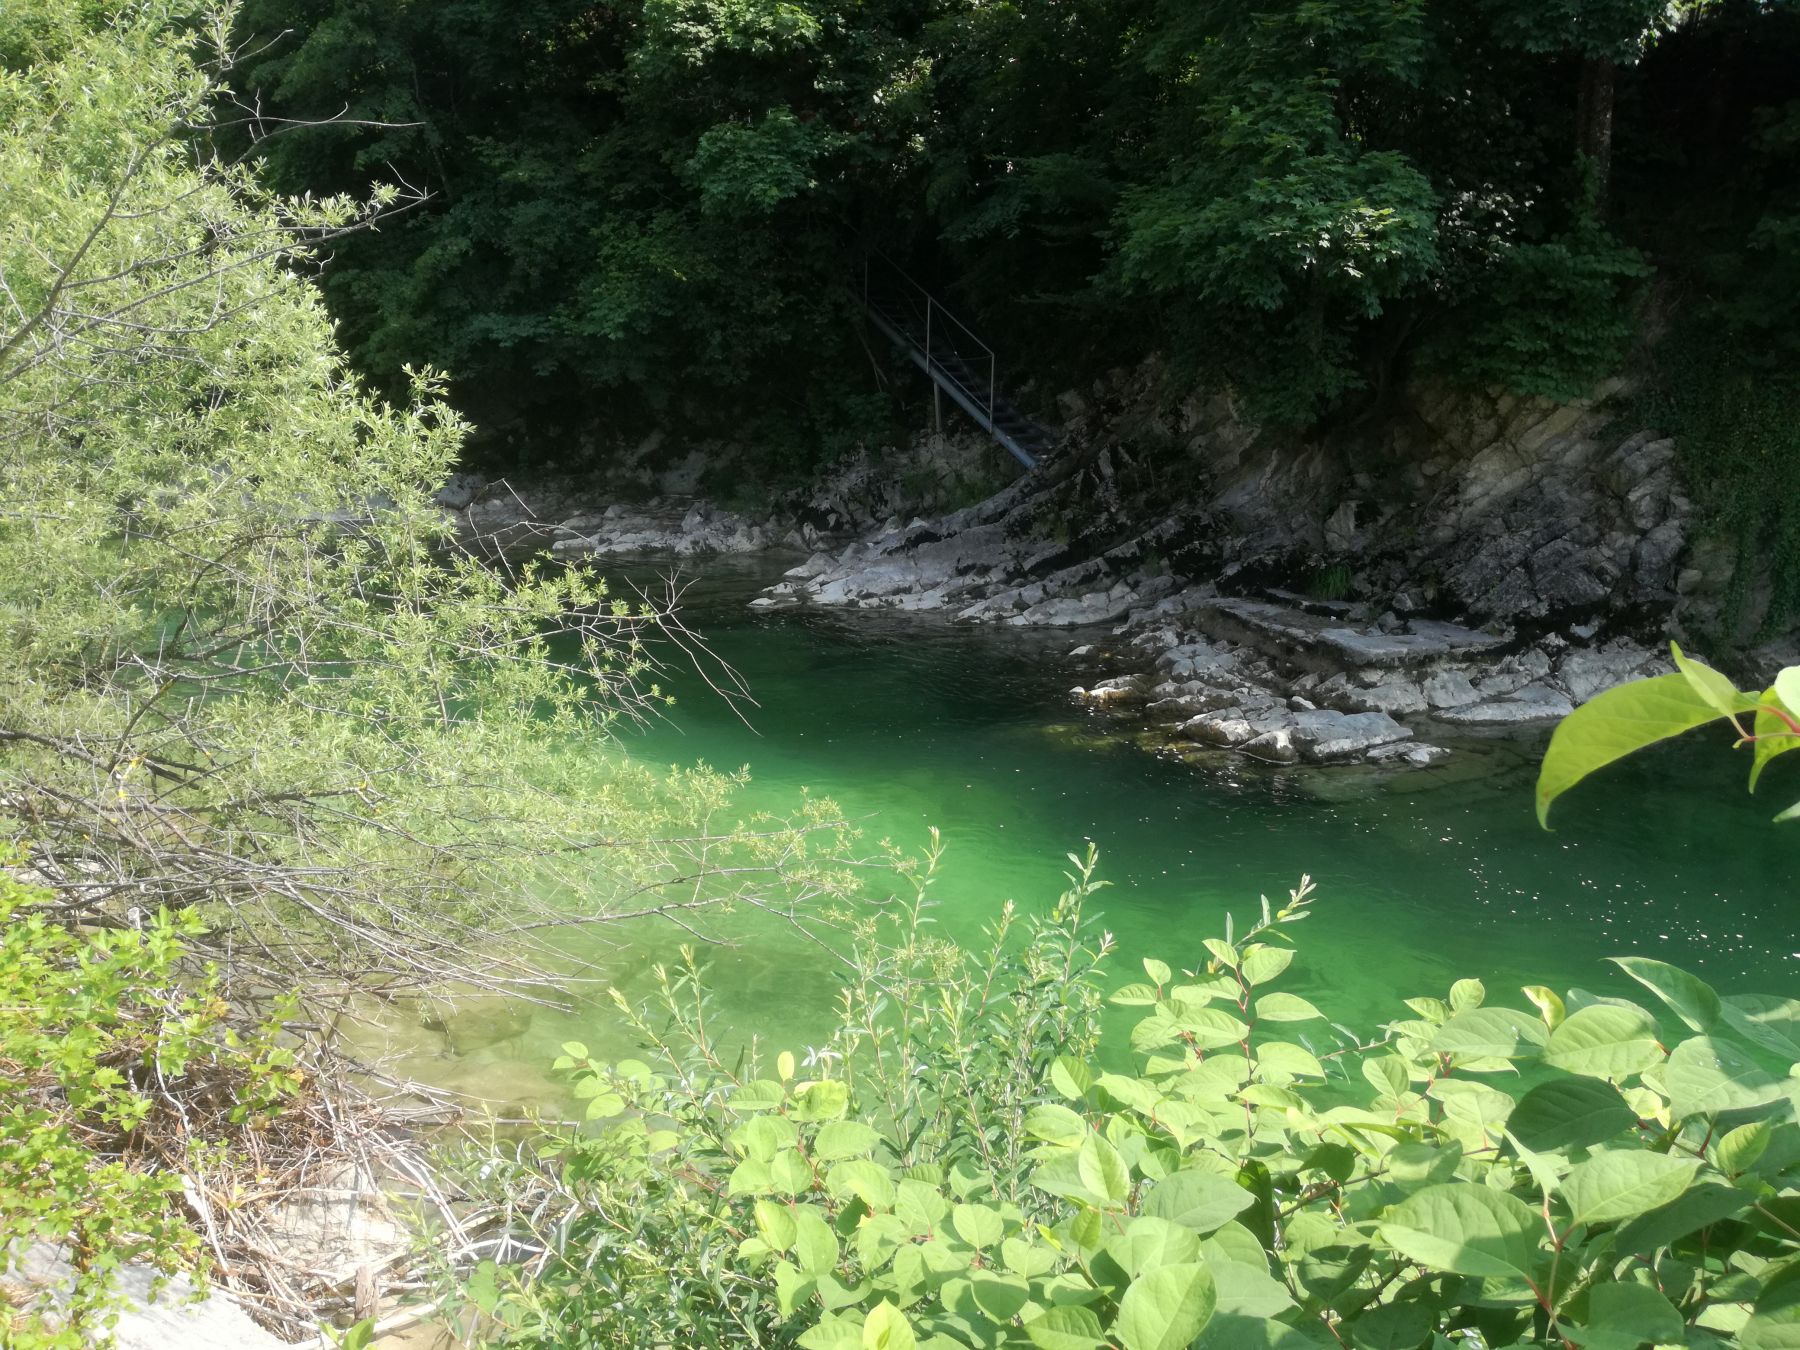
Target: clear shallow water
x=908 y=722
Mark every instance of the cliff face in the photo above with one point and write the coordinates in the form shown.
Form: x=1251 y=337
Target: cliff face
x=1484 y=507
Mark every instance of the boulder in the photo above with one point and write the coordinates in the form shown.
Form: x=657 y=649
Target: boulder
x=1414 y=754
x=1119 y=689
x=1393 y=694
x=1586 y=671
x=1448 y=689
x=1324 y=736
x=1534 y=703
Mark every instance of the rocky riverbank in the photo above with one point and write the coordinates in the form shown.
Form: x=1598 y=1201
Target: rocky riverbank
x=1478 y=564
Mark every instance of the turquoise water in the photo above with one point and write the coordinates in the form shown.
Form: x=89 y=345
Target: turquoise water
x=909 y=722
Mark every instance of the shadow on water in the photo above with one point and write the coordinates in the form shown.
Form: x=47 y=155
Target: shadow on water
x=908 y=722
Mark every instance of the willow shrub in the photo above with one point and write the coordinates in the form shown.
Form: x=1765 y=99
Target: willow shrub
x=963 y=1167
x=249 y=674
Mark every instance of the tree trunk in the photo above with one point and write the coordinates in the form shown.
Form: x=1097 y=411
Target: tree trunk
x=1594 y=124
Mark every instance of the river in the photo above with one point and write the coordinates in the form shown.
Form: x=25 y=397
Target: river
x=909 y=722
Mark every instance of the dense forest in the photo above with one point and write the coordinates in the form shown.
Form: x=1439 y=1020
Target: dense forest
x=650 y=211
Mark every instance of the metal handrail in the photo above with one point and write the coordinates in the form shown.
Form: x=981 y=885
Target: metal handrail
x=933 y=310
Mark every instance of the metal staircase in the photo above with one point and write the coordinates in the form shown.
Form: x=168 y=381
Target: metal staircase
x=957 y=362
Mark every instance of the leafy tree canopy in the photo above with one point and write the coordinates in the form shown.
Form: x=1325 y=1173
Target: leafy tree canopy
x=650 y=207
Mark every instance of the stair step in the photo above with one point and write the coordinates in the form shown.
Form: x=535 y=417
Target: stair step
x=971 y=377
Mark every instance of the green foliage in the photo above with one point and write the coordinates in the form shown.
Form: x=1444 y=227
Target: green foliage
x=117 y=1075
x=1550 y=318
x=647 y=211
x=1640 y=713
x=248 y=674
x=1569 y=1172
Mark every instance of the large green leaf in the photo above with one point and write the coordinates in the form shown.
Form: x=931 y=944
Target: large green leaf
x=1165 y=1309
x=1245 y=1288
x=1612 y=725
x=1713 y=688
x=1286 y=1008
x=845 y=1139
x=1393 y=1326
x=1066 y=1329
x=1625 y=1316
x=1623 y=1184
x=1149 y=1242
x=1604 y=1040
x=866 y=1180
x=1264 y=963
x=833 y=1334
x=1773 y=735
x=978 y=1225
x=1490 y=1033
x=1765 y=1020
x=1775 y=1324
x=886 y=1328
x=1689 y=997
x=827 y=1099
x=1705 y=1076
x=815 y=1244
x=1568 y=1113
x=1696 y=1208
x=1201 y=1201
x=1056 y=1124
x=1465 y=1229
x=1103 y=1171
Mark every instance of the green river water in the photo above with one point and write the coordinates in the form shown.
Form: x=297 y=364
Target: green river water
x=909 y=722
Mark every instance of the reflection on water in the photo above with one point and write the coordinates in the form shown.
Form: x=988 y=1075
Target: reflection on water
x=909 y=722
